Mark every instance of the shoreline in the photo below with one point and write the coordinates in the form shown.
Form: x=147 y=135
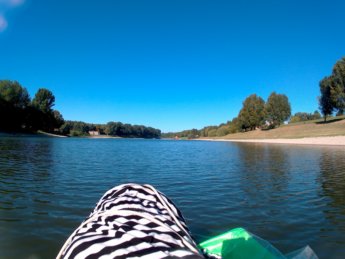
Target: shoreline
x=326 y=141
x=50 y=134
x=100 y=137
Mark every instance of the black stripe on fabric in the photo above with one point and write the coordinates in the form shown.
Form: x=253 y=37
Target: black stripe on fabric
x=84 y=245
x=192 y=256
x=142 y=190
x=132 y=223
x=116 y=192
x=108 y=250
x=126 y=202
x=165 y=216
x=147 y=251
x=112 y=218
x=169 y=233
x=93 y=228
x=125 y=245
x=117 y=234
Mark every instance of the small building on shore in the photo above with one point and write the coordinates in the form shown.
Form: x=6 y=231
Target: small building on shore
x=94 y=133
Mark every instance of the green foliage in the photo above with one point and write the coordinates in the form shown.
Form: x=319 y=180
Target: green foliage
x=58 y=119
x=326 y=102
x=193 y=133
x=212 y=133
x=12 y=93
x=338 y=89
x=208 y=131
x=17 y=113
x=303 y=116
x=316 y=115
x=44 y=100
x=252 y=114
x=223 y=131
x=45 y=118
x=234 y=126
x=278 y=109
x=332 y=89
x=14 y=100
x=79 y=128
x=128 y=130
x=77 y=133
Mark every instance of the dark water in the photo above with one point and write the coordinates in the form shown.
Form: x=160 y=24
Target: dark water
x=289 y=195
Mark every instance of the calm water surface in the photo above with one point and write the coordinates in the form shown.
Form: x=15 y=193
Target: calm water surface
x=289 y=195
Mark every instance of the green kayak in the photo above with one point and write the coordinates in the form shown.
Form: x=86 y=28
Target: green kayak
x=239 y=243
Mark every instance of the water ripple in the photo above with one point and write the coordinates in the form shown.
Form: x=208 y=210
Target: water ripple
x=290 y=195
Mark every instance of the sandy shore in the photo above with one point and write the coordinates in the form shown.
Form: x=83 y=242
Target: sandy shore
x=51 y=134
x=100 y=137
x=329 y=141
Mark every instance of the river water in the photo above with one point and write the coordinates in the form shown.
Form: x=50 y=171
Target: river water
x=289 y=195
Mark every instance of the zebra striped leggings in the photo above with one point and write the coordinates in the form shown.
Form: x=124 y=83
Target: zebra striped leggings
x=132 y=221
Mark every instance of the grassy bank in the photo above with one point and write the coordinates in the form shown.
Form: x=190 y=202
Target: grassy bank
x=316 y=128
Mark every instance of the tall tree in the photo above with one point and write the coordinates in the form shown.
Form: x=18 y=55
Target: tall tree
x=58 y=119
x=14 y=94
x=252 y=114
x=338 y=85
x=278 y=109
x=325 y=100
x=44 y=100
x=14 y=100
x=332 y=90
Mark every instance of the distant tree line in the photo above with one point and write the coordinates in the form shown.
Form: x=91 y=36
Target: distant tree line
x=21 y=114
x=18 y=113
x=79 y=128
x=255 y=113
x=332 y=89
x=304 y=116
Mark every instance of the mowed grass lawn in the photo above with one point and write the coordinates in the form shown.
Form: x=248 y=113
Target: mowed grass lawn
x=333 y=127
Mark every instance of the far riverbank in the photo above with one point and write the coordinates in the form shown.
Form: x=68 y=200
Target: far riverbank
x=329 y=141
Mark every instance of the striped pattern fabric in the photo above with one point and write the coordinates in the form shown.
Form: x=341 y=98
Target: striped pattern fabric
x=132 y=221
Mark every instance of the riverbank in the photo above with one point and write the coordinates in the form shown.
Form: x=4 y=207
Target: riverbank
x=50 y=134
x=90 y=137
x=101 y=137
x=315 y=132
x=329 y=141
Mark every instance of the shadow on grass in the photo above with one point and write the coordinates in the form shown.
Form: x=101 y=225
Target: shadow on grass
x=329 y=121
x=267 y=129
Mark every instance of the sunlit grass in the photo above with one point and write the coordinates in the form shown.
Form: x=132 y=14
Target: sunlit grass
x=335 y=126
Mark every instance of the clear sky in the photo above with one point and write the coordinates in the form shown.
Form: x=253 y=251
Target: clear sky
x=170 y=64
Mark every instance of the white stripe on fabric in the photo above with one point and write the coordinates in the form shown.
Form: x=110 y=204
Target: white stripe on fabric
x=99 y=246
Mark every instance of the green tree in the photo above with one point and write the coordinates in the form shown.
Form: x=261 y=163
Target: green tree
x=44 y=100
x=252 y=114
x=278 y=109
x=325 y=101
x=45 y=118
x=234 y=126
x=58 y=119
x=332 y=89
x=14 y=94
x=212 y=133
x=316 y=115
x=338 y=85
x=14 y=101
x=223 y=130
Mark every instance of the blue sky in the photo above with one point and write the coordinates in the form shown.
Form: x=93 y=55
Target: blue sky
x=170 y=64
